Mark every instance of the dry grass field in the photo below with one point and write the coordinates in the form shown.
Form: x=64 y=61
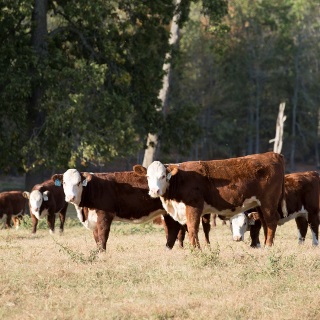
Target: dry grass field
x=63 y=277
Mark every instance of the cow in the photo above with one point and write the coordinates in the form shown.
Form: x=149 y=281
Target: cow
x=13 y=205
x=47 y=200
x=227 y=187
x=302 y=192
x=100 y=198
x=246 y=221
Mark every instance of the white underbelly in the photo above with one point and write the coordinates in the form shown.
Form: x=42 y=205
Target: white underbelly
x=178 y=209
x=301 y=213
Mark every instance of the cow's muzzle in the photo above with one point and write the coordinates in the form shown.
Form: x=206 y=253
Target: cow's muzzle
x=237 y=238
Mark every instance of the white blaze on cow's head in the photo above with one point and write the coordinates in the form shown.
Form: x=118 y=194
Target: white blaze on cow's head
x=36 y=198
x=158 y=176
x=238 y=225
x=73 y=184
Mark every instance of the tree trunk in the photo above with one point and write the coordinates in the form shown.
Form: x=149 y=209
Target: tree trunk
x=294 y=113
x=39 y=34
x=278 y=140
x=152 y=140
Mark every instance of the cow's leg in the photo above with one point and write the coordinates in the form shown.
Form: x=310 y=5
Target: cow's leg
x=181 y=235
x=103 y=225
x=95 y=235
x=214 y=220
x=16 y=221
x=8 y=221
x=51 y=218
x=62 y=216
x=193 y=222
x=254 y=234
x=313 y=220
x=269 y=221
x=34 y=223
x=206 y=227
x=172 y=228
x=302 y=225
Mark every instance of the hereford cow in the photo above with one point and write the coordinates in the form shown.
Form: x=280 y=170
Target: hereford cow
x=100 y=198
x=227 y=187
x=13 y=205
x=302 y=191
x=46 y=200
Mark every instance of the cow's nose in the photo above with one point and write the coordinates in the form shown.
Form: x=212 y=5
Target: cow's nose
x=237 y=238
x=70 y=198
x=155 y=191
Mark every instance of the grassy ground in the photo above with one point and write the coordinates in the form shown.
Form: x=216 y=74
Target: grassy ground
x=63 y=277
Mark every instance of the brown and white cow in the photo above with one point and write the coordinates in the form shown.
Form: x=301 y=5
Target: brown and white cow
x=302 y=192
x=101 y=198
x=227 y=187
x=13 y=205
x=47 y=200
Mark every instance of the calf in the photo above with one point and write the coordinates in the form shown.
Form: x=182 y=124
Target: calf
x=302 y=190
x=46 y=200
x=227 y=187
x=13 y=205
x=101 y=198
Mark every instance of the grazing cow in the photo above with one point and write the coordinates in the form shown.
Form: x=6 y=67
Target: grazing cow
x=227 y=187
x=46 y=200
x=13 y=205
x=101 y=198
x=302 y=191
x=246 y=221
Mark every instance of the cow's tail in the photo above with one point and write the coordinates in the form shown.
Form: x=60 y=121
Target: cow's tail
x=283 y=198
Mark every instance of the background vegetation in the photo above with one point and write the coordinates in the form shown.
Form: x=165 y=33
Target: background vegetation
x=79 y=81
x=63 y=277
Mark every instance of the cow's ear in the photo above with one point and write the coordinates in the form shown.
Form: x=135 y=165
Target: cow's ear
x=85 y=178
x=140 y=170
x=46 y=195
x=26 y=194
x=172 y=170
x=57 y=179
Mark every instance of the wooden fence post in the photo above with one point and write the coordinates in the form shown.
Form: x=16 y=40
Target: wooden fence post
x=278 y=140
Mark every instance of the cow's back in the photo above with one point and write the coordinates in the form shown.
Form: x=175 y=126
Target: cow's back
x=13 y=201
x=302 y=190
x=228 y=183
x=126 y=193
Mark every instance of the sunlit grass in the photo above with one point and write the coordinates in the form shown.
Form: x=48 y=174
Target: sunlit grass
x=64 y=277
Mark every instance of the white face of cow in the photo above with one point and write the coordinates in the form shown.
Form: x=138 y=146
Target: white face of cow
x=35 y=201
x=72 y=186
x=238 y=225
x=158 y=180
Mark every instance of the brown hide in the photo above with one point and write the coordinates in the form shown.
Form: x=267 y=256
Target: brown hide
x=12 y=203
x=56 y=203
x=302 y=189
x=225 y=184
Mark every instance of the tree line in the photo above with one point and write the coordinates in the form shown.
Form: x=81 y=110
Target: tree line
x=80 y=81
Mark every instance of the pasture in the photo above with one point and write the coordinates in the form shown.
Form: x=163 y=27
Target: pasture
x=64 y=277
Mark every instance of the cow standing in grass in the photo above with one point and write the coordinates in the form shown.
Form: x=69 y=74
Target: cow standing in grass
x=227 y=187
x=302 y=192
x=13 y=206
x=47 y=200
x=101 y=198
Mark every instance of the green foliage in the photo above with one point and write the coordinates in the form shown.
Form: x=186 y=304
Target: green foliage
x=77 y=256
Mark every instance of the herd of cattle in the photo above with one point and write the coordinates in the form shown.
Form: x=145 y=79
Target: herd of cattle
x=251 y=192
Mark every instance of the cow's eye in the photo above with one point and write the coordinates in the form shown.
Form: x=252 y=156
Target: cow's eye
x=245 y=223
x=163 y=177
x=78 y=184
